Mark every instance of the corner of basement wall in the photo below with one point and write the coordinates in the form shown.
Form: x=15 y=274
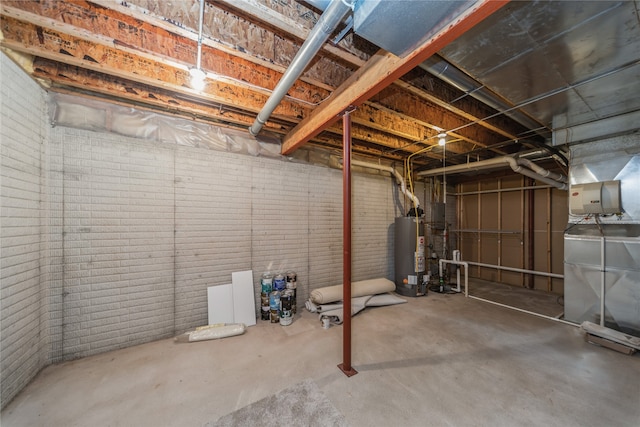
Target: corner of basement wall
x=24 y=231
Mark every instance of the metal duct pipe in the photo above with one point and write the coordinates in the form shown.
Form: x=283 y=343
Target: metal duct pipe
x=458 y=79
x=616 y=125
x=491 y=163
x=396 y=174
x=327 y=23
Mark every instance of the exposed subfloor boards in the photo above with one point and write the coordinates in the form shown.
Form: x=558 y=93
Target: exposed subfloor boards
x=437 y=360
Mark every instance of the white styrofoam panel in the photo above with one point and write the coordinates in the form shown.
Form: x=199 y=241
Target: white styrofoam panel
x=243 y=298
x=220 y=303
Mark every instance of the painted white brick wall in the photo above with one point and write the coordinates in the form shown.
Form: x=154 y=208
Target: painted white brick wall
x=280 y=220
x=372 y=220
x=213 y=227
x=124 y=269
x=109 y=241
x=24 y=322
x=325 y=229
x=119 y=215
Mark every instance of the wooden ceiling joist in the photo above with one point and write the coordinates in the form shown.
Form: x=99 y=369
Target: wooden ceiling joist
x=115 y=29
x=380 y=71
x=113 y=59
x=139 y=52
x=260 y=12
x=67 y=76
x=47 y=43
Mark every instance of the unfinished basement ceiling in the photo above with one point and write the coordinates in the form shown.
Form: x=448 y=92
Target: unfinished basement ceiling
x=550 y=64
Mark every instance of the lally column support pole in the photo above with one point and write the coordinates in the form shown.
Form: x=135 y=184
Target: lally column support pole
x=345 y=366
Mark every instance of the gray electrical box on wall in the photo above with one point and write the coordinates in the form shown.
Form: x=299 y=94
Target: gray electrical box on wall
x=595 y=198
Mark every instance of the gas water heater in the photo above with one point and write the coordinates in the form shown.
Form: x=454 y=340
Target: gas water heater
x=409 y=256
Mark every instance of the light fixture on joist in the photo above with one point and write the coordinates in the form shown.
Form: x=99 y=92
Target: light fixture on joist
x=442 y=139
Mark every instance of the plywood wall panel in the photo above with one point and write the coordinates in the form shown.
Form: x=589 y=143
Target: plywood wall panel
x=511 y=211
x=501 y=236
x=512 y=257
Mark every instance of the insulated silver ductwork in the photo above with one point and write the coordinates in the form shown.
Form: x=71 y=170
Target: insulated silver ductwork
x=518 y=165
x=458 y=79
x=327 y=23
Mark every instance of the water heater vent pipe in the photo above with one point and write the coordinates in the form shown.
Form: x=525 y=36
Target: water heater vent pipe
x=395 y=173
x=517 y=164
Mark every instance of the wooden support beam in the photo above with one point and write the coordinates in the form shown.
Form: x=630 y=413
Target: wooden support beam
x=381 y=119
x=391 y=132
x=113 y=29
x=126 y=41
x=386 y=142
x=75 y=39
x=437 y=118
x=419 y=103
x=47 y=43
x=262 y=13
x=424 y=84
x=258 y=11
x=63 y=76
x=382 y=69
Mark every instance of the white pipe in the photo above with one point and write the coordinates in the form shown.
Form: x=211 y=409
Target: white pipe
x=199 y=58
x=396 y=174
x=441 y=263
x=531 y=174
x=474 y=166
x=456 y=256
x=526 y=311
x=502 y=190
x=486 y=164
x=517 y=270
x=327 y=23
x=602 y=279
x=542 y=171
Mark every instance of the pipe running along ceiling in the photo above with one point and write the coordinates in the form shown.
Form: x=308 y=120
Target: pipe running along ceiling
x=499 y=79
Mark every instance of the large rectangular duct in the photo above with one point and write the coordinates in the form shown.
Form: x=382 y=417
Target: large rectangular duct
x=611 y=126
x=602 y=255
x=400 y=26
x=583 y=276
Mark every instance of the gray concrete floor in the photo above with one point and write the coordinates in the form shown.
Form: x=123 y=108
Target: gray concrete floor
x=440 y=360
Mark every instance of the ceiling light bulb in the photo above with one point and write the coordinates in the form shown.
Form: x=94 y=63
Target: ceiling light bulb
x=441 y=141
x=197 y=78
x=197 y=73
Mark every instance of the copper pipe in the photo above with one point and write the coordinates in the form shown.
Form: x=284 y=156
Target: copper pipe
x=345 y=366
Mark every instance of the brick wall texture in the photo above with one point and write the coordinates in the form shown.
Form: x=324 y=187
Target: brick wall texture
x=23 y=253
x=110 y=241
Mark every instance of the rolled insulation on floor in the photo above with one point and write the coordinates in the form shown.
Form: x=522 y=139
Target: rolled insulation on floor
x=335 y=312
x=213 y=332
x=358 y=289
